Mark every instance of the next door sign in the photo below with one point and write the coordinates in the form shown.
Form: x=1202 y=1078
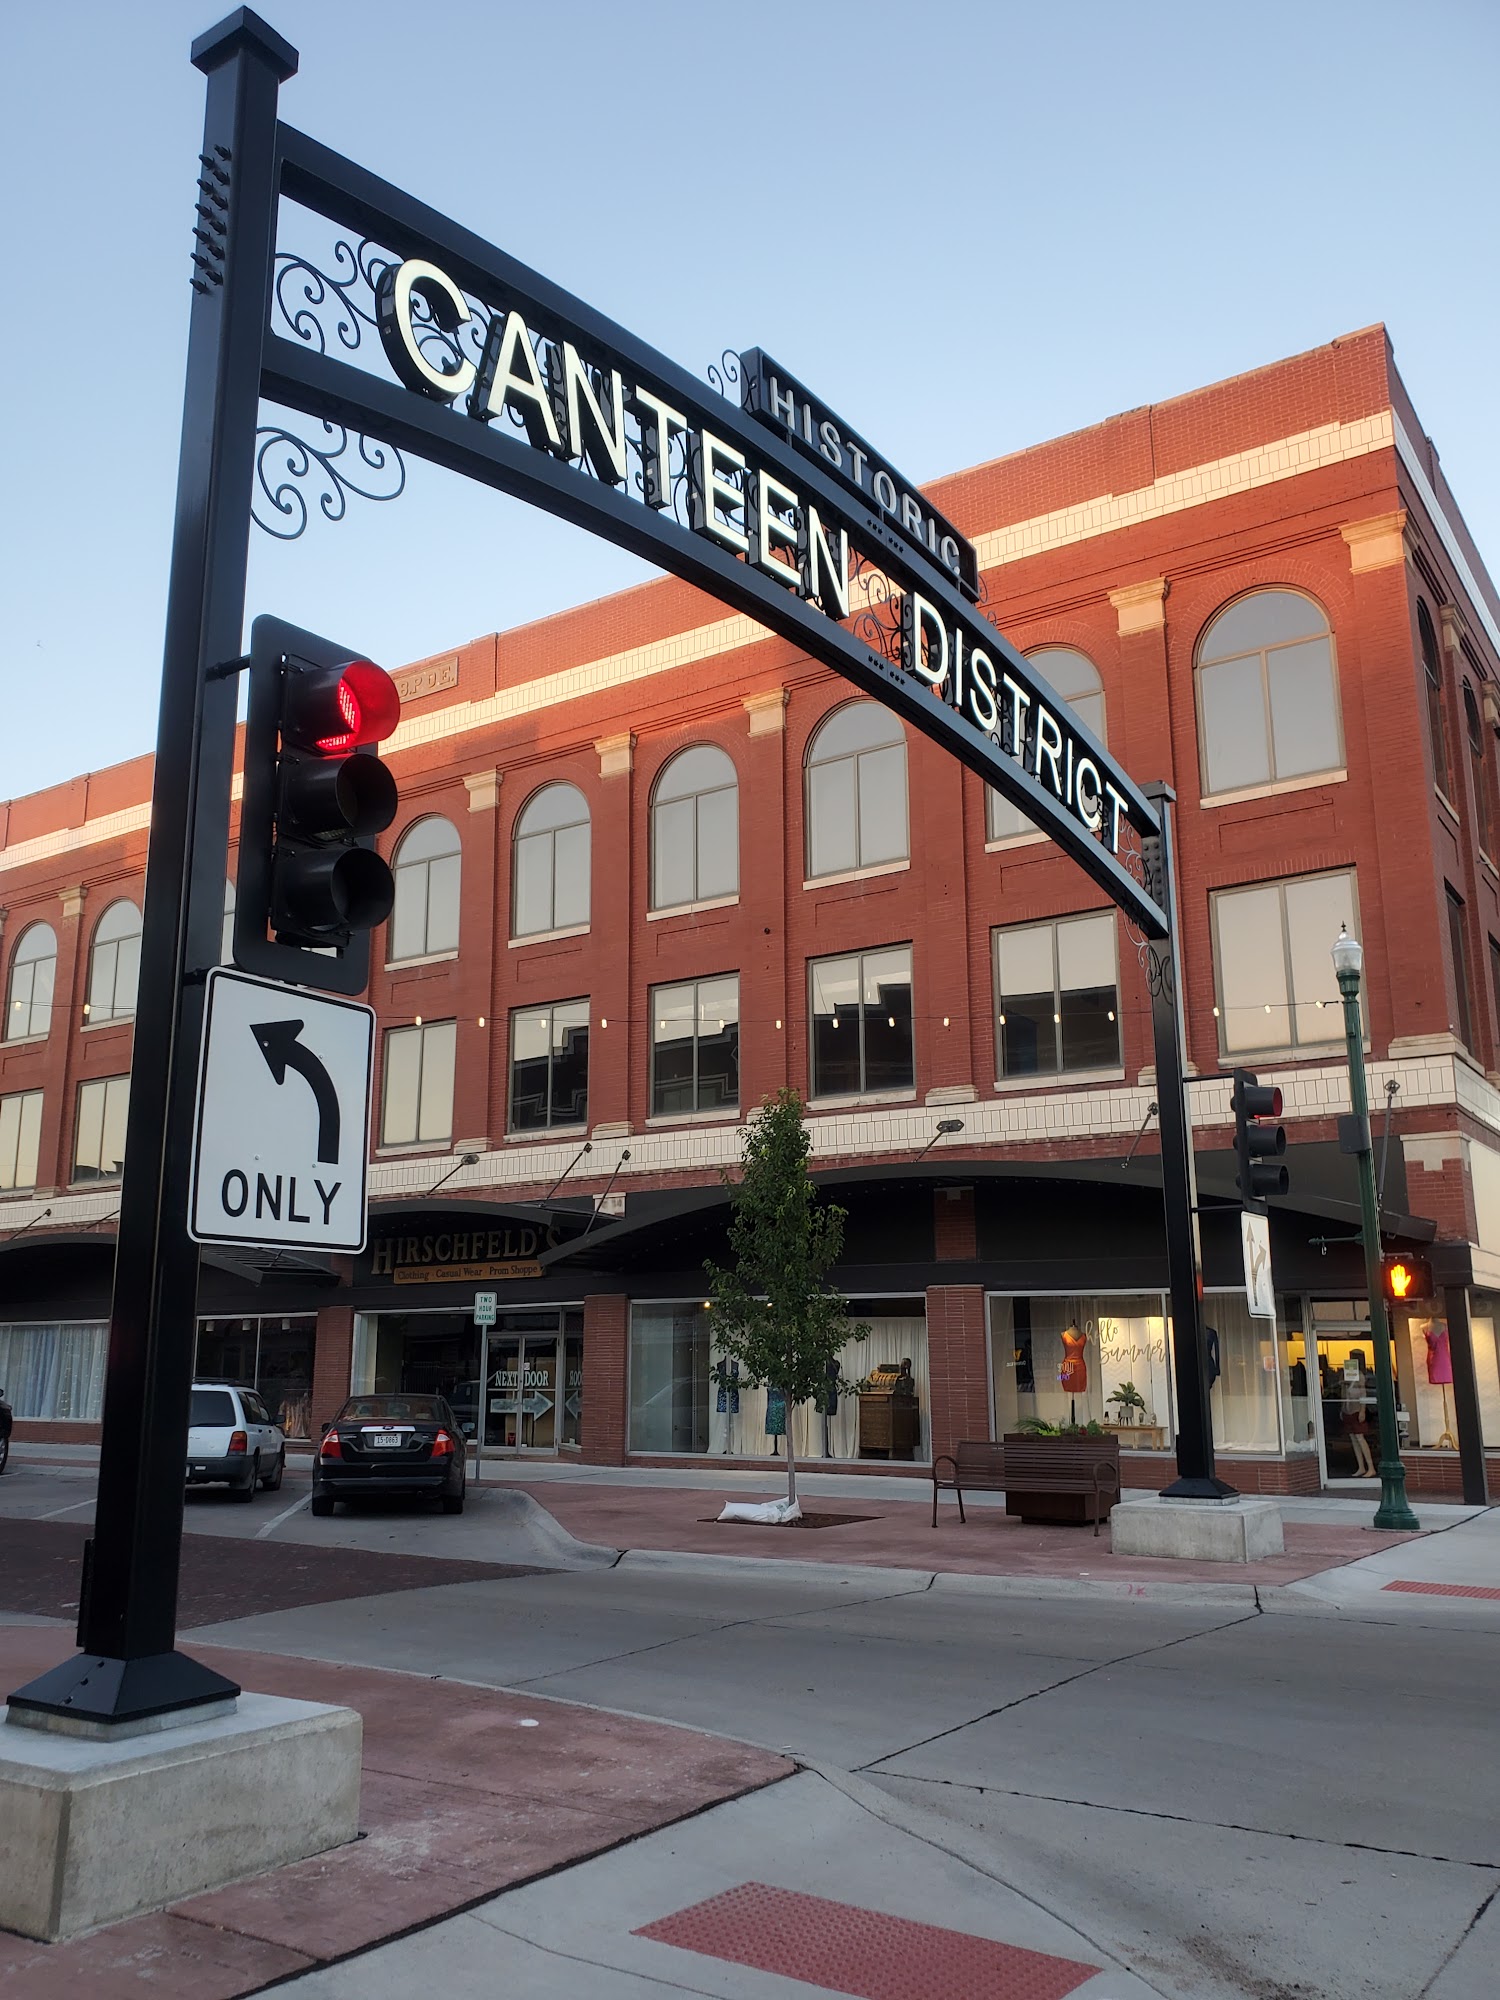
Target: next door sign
x=281 y=1150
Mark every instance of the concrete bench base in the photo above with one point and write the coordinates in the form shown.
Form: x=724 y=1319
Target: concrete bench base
x=92 y=1831
x=1229 y=1531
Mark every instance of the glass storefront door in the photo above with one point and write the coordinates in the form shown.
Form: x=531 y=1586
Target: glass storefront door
x=1342 y=1392
x=523 y=1381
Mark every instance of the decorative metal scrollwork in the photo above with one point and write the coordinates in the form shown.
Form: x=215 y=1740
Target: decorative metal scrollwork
x=724 y=374
x=877 y=624
x=289 y=470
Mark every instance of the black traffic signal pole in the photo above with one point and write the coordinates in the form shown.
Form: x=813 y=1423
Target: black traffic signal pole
x=1196 y=1479
x=128 y=1668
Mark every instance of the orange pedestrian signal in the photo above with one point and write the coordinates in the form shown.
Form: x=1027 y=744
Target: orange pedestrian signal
x=1404 y=1278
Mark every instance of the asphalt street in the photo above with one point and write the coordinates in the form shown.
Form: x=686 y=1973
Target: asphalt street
x=1232 y=1801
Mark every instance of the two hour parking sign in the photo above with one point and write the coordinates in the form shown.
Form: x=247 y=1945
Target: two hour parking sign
x=281 y=1147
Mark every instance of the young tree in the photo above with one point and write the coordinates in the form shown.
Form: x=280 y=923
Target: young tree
x=772 y=1311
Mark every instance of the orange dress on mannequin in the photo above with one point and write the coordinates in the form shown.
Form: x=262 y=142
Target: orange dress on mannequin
x=1074 y=1373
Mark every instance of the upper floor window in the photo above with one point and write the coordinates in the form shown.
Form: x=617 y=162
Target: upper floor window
x=695 y=829
x=695 y=1046
x=20 y=1134
x=424 y=919
x=99 y=1133
x=856 y=791
x=417 y=1105
x=549 y=1066
x=1459 y=951
x=1273 y=946
x=114 y=965
x=551 y=889
x=1075 y=679
x=862 y=1023
x=33 y=966
x=1056 y=995
x=1483 y=804
x=1268 y=706
x=1437 y=713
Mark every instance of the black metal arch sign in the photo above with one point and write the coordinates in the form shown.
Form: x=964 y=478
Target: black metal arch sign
x=423 y=338
x=421 y=335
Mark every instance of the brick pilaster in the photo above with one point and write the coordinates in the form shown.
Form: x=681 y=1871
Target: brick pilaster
x=957 y=1365
x=953 y=1224
x=333 y=1354
x=606 y=1333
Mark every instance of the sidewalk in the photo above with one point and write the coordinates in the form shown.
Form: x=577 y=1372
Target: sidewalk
x=852 y=1521
x=465 y=1792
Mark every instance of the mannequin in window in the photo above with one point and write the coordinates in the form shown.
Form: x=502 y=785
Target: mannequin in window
x=1074 y=1372
x=1440 y=1374
x=1356 y=1423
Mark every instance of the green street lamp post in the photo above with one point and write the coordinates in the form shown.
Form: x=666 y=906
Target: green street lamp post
x=1393 y=1511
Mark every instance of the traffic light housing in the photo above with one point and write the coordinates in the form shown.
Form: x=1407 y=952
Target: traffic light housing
x=310 y=886
x=1404 y=1277
x=1258 y=1147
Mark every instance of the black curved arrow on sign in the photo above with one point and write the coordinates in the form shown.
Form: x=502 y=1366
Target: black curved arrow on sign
x=278 y=1043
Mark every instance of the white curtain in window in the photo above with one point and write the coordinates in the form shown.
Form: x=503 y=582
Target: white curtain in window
x=891 y=1341
x=55 y=1370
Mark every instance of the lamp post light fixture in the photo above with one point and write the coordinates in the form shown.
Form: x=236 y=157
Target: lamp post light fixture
x=944 y=1127
x=1393 y=1511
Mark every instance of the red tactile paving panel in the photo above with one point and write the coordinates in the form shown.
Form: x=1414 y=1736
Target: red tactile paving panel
x=862 y=1952
x=1447 y=1589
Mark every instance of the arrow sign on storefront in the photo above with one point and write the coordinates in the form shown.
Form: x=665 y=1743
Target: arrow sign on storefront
x=279 y=1045
x=536 y=1405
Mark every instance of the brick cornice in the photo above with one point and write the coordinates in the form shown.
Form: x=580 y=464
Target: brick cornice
x=1141 y=607
x=1377 y=543
x=767 y=711
x=616 y=754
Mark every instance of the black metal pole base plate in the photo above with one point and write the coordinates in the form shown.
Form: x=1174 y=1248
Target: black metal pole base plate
x=89 y=1688
x=1200 y=1489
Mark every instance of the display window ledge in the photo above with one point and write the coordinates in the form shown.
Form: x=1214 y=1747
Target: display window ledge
x=24 y=1041
x=865 y=1101
x=1009 y=843
x=410 y=1149
x=543 y=1135
x=114 y=1021
x=667 y=1120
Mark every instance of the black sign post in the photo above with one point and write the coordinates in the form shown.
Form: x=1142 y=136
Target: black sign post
x=128 y=1668
x=414 y=334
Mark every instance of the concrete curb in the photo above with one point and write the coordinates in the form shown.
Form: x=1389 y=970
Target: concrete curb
x=1240 y=1596
x=539 y=1537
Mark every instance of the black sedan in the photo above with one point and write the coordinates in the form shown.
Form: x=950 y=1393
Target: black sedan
x=391 y=1444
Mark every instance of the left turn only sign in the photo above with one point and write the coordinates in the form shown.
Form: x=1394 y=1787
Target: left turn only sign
x=281 y=1146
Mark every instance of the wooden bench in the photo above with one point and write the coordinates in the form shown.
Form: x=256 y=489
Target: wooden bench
x=1049 y=1469
x=979 y=1466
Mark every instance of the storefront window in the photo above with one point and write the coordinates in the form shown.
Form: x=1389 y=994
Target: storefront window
x=1246 y=1392
x=272 y=1355
x=523 y=1379
x=1061 y=1359
x=683 y=1399
x=54 y=1370
x=1484 y=1324
x=1298 y=1414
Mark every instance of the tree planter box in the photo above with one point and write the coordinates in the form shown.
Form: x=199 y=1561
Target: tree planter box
x=1061 y=1478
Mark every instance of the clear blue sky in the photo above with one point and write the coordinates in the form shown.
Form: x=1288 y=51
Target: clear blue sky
x=1004 y=222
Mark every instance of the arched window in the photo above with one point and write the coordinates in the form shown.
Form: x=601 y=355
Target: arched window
x=1437 y=714
x=551 y=886
x=856 y=791
x=28 y=1004
x=695 y=829
x=1076 y=679
x=1268 y=705
x=114 y=965
x=1482 y=805
x=424 y=919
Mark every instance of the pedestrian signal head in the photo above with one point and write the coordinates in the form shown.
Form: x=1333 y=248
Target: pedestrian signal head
x=1404 y=1278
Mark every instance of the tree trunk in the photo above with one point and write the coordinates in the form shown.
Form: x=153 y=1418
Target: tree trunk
x=791 y=1461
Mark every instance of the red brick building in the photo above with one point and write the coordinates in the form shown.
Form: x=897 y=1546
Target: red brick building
x=653 y=864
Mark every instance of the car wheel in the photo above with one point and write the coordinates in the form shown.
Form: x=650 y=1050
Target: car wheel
x=320 y=1503
x=453 y=1503
x=273 y=1479
x=4 y=1451
x=251 y=1485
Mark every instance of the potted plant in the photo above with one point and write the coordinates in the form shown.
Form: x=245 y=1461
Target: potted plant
x=1131 y=1403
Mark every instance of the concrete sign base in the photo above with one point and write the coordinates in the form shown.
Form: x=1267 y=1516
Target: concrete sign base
x=93 y=1831
x=1231 y=1531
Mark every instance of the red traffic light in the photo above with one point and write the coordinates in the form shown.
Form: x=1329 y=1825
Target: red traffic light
x=331 y=711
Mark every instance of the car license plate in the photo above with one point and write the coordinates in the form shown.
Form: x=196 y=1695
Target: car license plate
x=385 y=1440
